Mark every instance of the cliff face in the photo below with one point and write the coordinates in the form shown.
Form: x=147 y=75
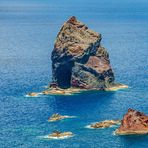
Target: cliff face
x=79 y=60
x=134 y=122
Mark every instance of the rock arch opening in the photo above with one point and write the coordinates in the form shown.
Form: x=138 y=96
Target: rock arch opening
x=64 y=73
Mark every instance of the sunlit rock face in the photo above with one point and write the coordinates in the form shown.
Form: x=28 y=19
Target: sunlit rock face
x=79 y=60
x=134 y=122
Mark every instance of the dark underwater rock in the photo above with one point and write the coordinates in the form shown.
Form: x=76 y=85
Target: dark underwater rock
x=134 y=122
x=79 y=60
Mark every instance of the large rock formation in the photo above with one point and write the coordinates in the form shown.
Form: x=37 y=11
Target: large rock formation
x=134 y=122
x=79 y=60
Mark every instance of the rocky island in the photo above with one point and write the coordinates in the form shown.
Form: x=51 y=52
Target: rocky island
x=80 y=62
x=134 y=122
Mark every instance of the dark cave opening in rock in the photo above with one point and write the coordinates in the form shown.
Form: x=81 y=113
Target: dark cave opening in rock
x=64 y=76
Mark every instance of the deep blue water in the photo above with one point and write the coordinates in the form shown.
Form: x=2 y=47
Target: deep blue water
x=27 y=33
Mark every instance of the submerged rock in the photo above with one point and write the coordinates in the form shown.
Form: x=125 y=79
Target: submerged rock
x=134 y=122
x=105 y=124
x=79 y=60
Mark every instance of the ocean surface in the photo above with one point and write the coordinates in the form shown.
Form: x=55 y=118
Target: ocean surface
x=28 y=29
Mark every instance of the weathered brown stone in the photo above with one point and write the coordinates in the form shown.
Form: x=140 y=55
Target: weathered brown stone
x=105 y=124
x=58 y=134
x=57 y=117
x=134 y=122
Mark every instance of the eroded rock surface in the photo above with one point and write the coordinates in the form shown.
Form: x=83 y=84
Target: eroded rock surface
x=105 y=124
x=134 y=122
x=79 y=60
x=58 y=135
x=57 y=117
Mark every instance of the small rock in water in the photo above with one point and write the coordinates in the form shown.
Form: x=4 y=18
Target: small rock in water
x=56 y=117
x=60 y=135
x=105 y=124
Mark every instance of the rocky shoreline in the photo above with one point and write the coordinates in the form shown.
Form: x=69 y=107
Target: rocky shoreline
x=131 y=132
x=72 y=91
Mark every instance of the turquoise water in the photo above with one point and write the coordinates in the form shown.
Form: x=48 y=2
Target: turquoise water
x=27 y=33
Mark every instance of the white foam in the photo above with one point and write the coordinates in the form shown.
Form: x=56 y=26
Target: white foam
x=46 y=86
x=89 y=126
x=55 y=138
x=68 y=94
x=114 y=133
x=37 y=95
x=70 y=116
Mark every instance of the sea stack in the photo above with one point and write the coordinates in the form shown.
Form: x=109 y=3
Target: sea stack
x=134 y=122
x=79 y=60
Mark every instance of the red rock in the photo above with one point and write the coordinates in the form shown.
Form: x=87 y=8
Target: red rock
x=134 y=122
